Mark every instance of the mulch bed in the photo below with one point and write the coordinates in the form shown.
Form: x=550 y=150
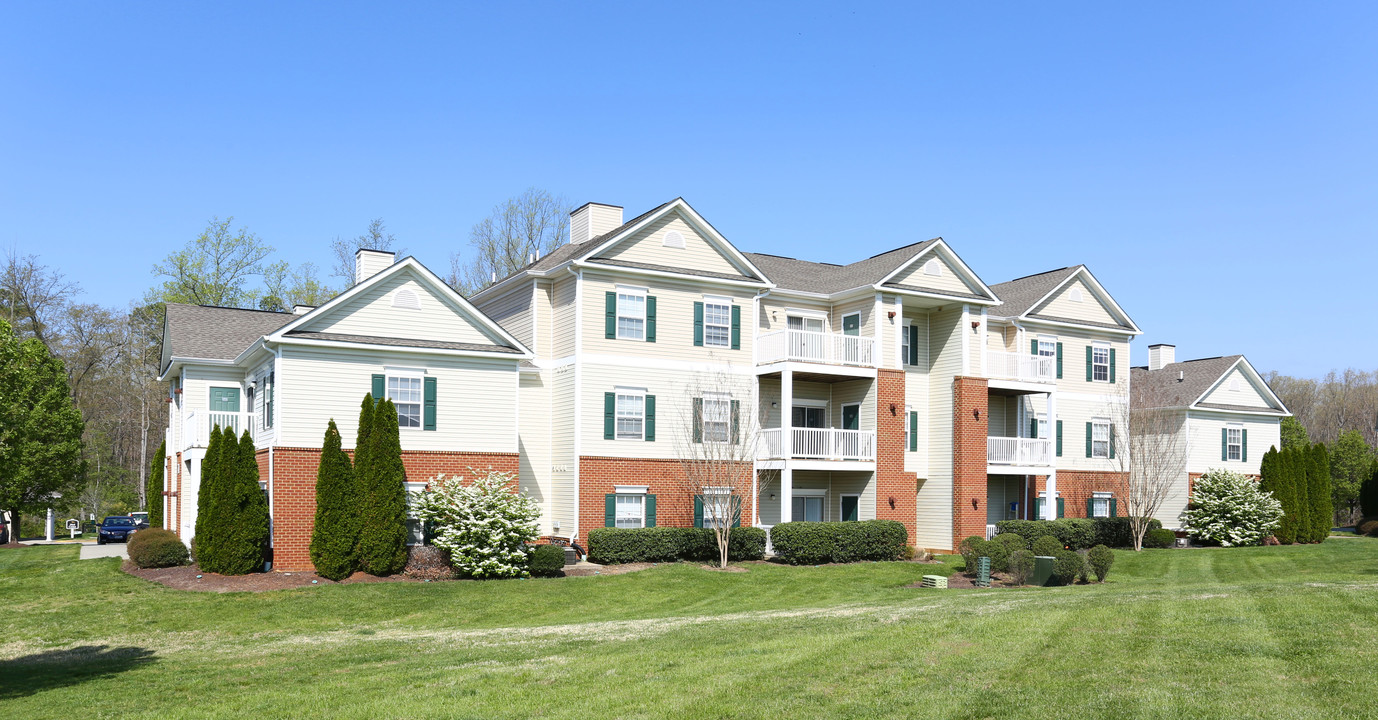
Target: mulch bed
x=14 y=545
x=959 y=581
x=188 y=577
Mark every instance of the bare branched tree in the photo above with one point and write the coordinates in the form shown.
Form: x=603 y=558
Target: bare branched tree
x=716 y=445
x=518 y=230
x=342 y=250
x=1155 y=461
x=1342 y=401
x=34 y=296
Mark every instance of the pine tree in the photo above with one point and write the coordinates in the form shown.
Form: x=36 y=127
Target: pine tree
x=361 y=440
x=1268 y=479
x=383 y=536
x=337 y=509
x=242 y=513
x=1301 y=507
x=221 y=504
x=204 y=533
x=153 y=491
x=1322 y=502
x=1286 y=493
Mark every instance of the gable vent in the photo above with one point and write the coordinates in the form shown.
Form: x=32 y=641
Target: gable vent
x=1075 y=295
x=933 y=267
x=405 y=298
x=674 y=239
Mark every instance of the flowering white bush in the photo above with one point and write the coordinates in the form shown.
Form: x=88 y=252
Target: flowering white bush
x=485 y=525
x=1228 y=508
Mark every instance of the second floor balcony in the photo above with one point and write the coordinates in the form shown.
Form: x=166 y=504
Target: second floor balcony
x=818 y=444
x=1021 y=366
x=197 y=425
x=1017 y=451
x=815 y=347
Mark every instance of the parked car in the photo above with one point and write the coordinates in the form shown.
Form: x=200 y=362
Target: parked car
x=140 y=519
x=116 y=527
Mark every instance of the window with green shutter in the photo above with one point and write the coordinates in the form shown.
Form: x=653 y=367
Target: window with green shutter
x=428 y=405
x=698 y=324
x=650 y=318
x=913 y=431
x=1059 y=438
x=736 y=327
x=380 y=388
x=610 y=315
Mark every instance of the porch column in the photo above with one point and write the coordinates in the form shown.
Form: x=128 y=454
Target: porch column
x=1050 y=507
x=786 y=443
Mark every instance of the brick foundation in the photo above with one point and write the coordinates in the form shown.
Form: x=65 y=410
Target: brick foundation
x=294 y=491
x=665 y=480
x=1075 y=488
x=897 y=491
x=970 y=406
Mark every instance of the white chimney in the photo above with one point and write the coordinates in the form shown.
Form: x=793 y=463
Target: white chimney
x=302 y=309
x=590 y=220
x=368 y=263
x=1160 y=356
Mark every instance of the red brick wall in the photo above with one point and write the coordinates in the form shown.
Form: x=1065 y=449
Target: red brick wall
x=1075 y=488
x=665 y=479
x=896 y=490
x=970 y=404
x=294 y=492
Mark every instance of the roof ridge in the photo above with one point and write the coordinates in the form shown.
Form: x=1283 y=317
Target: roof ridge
x=227 y=307
x=1045 y=272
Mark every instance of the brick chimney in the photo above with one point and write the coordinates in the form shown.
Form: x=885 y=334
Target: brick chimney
x=590 y=220
x=368 y=263
x=1161 y=355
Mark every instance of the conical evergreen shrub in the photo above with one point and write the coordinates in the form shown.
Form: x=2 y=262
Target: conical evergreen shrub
x=242 y=513
x=383 y=537
x=361 y=439
x=1268 y=481
x=337 y=510
x=1301 y=487
x=220 y=508
x=1322 y=507
x=153 y=491
x=204 y=533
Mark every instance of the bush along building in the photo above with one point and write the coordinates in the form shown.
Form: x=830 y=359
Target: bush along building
x=898 y=387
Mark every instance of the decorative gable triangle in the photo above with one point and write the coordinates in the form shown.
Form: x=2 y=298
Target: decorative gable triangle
x=1081 y=298
x=940 y=271
x=676 y=240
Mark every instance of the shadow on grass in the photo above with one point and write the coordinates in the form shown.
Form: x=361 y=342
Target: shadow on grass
x=31 y=674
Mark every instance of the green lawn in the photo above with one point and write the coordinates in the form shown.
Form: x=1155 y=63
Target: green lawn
x=1271 y=632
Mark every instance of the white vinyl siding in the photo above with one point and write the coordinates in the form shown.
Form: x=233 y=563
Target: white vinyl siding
x=1090 y=309
x=512 y=310
x=935 y=493
x=648 y=246
x=674 y=312
x=948 y=281
x=372 y=313
x=1236 y=389
x=564 y=320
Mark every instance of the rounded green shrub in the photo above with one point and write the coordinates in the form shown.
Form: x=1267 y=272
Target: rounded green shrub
x=1367 y=526
x=998 y=553
x=157 y=548
x=1047 y=546
x=548 y=561
x=1021 y=566
x=1159 y=538
x=1012 y=541
x=1100 y=558
x=1068 y=566
x=967 y=548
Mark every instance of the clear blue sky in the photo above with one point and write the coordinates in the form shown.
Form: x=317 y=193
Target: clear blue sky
x=1215 y=164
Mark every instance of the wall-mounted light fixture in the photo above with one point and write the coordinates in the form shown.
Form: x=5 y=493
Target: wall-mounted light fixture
x=976 y=412
x=974 y=504
x=892 y=408
x=975 y=324
x=774 y=404
x=892 y=503
x=891 y=314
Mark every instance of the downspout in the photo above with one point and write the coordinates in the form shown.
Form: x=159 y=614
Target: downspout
x=578 y=388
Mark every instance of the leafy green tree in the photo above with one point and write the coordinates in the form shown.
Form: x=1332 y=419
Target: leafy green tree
x=40 y=429
x=1368 y=494
x=1294 y=433
x=154 y=491
x=206 y=492
x=213 y=269
x=1351 y=460
x=383 y=535
x=241 y=535
x=337 y=511
x=1320 y=493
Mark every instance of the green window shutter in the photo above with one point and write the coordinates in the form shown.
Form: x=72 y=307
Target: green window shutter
x=609 y=415
x=736 y=506
x=1059 y=361
x=1033 y=346
x=1088 y=364
x=1038 y=509
x=1112 y=365
x=380 y=383
x=1114 y=512
x=650 y=511
x=1244 y=445
x=650 y=422
x=698 y=420
x=698 y=324
x=268 y=410
x=650 y=318
x=913 y=431
x=1224 y=444
x=609 y=511
x=698 y=511
x=428 y=406
x=1033 y=427
x=610 y=309
x=1089 y=508
x=736 y=413
x=913 y=344
x=1088 y=439
x=1112 y=441
x=736 y=327
x=1059 y=438
x=1060 y=508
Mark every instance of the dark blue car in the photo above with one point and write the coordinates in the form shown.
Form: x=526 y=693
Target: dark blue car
x=115 y=527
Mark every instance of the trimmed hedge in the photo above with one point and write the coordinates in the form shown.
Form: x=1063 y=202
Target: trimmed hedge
x=1077 y=533
x=611 y=546
x=157 y=548
x=548 y=561
x=816 y=543
x=1159 y=538
x=1047 y=546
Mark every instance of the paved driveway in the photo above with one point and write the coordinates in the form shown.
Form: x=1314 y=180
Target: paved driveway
x=92 y=550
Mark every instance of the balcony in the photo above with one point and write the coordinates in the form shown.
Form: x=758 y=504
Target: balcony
x=1015 y=451
x=1020 y=366
x=197 y=425
x=819 y=444
x=815 y=347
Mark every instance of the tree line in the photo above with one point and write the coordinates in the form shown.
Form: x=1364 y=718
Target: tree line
x=1339 y=411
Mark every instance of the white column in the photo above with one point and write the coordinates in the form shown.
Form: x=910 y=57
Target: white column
x=1050 y=507
x=48 y=526
x=786 y=443
x=900 y=330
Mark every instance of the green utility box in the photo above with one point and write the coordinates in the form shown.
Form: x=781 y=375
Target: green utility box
x=1043 y=570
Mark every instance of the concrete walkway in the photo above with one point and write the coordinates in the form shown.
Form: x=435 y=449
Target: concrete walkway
x=92 y=550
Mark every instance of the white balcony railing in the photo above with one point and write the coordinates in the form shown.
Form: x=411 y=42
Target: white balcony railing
x=1019 y=366
x=1019 y=451
x=197 y=424
x=816 y=347
x=820 y=444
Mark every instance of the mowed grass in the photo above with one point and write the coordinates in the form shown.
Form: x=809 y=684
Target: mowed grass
x=1276 y=632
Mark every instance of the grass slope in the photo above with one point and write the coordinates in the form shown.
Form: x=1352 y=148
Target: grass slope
x=1258 y=632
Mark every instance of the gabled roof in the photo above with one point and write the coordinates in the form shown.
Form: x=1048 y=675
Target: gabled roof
x=1163 y=389
x=1022 y=297
x=204 y=332
x=827 y=278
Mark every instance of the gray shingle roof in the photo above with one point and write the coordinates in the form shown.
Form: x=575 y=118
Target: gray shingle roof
x=1019 y=295
x=667 y=268
x=1160 y=388
x=217 y=333
x=402 y=342
x=792 y=274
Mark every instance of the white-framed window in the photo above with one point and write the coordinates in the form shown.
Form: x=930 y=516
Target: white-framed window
x=807 y=508
x=416 y=528
x=1042 y=420
x=717 y=503
x=631 y=414
x=1234 y=442
x=1100 y=438
x=404 y=390
x=717 y=417
x=1100 y=504
x=631 y=314
x=1047 y=346
x=804 y=322
x=717 y=321
x=1100 y=363
x=905 y=332
x=909 y=423
x=630 y=511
